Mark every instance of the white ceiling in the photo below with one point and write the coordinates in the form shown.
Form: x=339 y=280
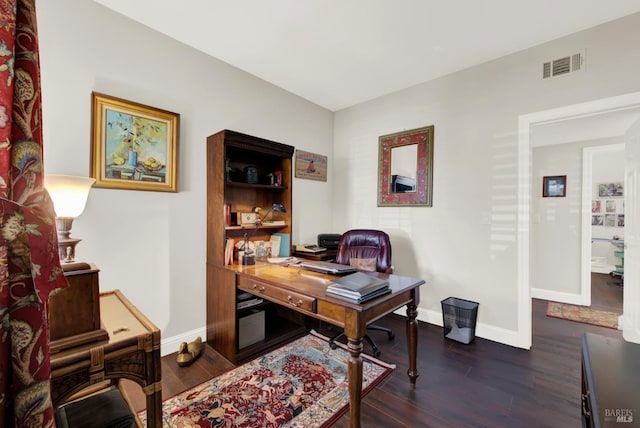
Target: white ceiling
x=338 y=53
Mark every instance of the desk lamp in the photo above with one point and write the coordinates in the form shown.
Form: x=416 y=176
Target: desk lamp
x=69 y=195
x=263 y=220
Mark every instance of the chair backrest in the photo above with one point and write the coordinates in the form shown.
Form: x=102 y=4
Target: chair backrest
x=365 y=244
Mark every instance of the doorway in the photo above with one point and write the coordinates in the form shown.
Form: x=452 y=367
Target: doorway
x=584 y=111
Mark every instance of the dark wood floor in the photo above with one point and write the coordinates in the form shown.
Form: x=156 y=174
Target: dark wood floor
x=482 y=384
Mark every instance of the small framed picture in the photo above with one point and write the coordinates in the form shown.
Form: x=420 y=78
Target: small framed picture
x=554 y=186
x=595 y=206
x=248 y=218
x=610 y=220
x=606 y=190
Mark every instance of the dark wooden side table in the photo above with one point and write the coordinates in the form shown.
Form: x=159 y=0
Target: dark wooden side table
x=610 y=382
x=74 y=312
x=132 y=352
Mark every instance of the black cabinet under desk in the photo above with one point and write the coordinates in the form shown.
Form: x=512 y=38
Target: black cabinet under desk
x=610 y=382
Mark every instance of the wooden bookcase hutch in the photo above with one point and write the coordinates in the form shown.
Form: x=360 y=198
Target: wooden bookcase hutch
x=228 y=153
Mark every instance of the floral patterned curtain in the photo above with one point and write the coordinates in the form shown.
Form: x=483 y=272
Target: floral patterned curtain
x=29 y=264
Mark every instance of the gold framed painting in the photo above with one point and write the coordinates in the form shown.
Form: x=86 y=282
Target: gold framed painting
x=134 y=146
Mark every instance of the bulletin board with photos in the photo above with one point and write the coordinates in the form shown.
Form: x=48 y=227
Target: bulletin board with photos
x=608 y=209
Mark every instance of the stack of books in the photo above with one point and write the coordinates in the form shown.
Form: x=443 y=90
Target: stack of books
x=358 y=287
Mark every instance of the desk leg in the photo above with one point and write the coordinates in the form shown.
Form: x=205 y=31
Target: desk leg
x=412 y=342
x=354 y=372
x=154 y=407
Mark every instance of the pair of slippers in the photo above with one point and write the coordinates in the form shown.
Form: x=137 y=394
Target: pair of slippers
x=189 y=352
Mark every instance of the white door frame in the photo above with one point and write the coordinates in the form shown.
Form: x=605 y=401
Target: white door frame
x=525 y=122
x=588 y=154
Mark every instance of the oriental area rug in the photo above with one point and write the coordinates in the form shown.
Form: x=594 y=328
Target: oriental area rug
x=582 y=314
x=302 y=384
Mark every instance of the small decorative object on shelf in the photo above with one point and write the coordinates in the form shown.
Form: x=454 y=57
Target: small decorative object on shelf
x=249 y=257
x=250 y=175
x=248 y=219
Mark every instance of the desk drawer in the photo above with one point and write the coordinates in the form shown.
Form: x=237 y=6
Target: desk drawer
x=289 y=298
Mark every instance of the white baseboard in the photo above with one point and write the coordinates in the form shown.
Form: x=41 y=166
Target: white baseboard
x=558 y=296
x=489 y=332
x=602 y=268
x=171 y=344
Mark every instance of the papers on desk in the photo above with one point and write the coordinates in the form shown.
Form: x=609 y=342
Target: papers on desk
x=286 y=261
x=358 y=287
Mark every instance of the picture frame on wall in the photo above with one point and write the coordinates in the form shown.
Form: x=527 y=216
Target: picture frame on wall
x=554 y=186
x=611 y=189
x=610 y=220
x=596 y=206
x=134 y=146
x=405 y=168
x=597 y=220
x=310 y=166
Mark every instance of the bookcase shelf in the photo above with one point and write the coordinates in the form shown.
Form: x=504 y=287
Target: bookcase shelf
x=229 y=153
x=251 y=227
x=254 y=186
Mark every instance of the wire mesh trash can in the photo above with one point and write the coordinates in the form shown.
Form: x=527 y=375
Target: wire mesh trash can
x=459 y=319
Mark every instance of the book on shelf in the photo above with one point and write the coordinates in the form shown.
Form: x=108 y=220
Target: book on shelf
x=274 y=223
x=285 y=244
x=358 y=286
x=275 y=245
x=228 y=251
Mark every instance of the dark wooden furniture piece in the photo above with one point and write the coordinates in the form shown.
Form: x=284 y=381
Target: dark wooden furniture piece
x=305 y=292
x=132 y=352
x=74 y=312
x=610 y=381
x=229 y=153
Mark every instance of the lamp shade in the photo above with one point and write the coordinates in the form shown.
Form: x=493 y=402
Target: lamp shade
x=68 y=193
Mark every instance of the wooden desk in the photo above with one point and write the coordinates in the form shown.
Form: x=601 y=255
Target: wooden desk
x=305 y=292
x=132 y=352
x=610 y=381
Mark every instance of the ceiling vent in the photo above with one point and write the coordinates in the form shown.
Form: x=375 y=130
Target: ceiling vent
x=562 y=66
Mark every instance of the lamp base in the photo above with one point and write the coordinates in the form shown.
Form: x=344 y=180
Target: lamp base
x=67 y=249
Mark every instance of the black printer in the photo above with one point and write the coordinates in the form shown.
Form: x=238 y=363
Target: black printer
x=329 y=241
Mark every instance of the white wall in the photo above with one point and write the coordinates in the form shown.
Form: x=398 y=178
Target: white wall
x=557 y=222
x=466 y=244
x=152 y=245
x=556 y=228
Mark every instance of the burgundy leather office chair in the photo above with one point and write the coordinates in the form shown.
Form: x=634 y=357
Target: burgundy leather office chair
x=366 y=244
